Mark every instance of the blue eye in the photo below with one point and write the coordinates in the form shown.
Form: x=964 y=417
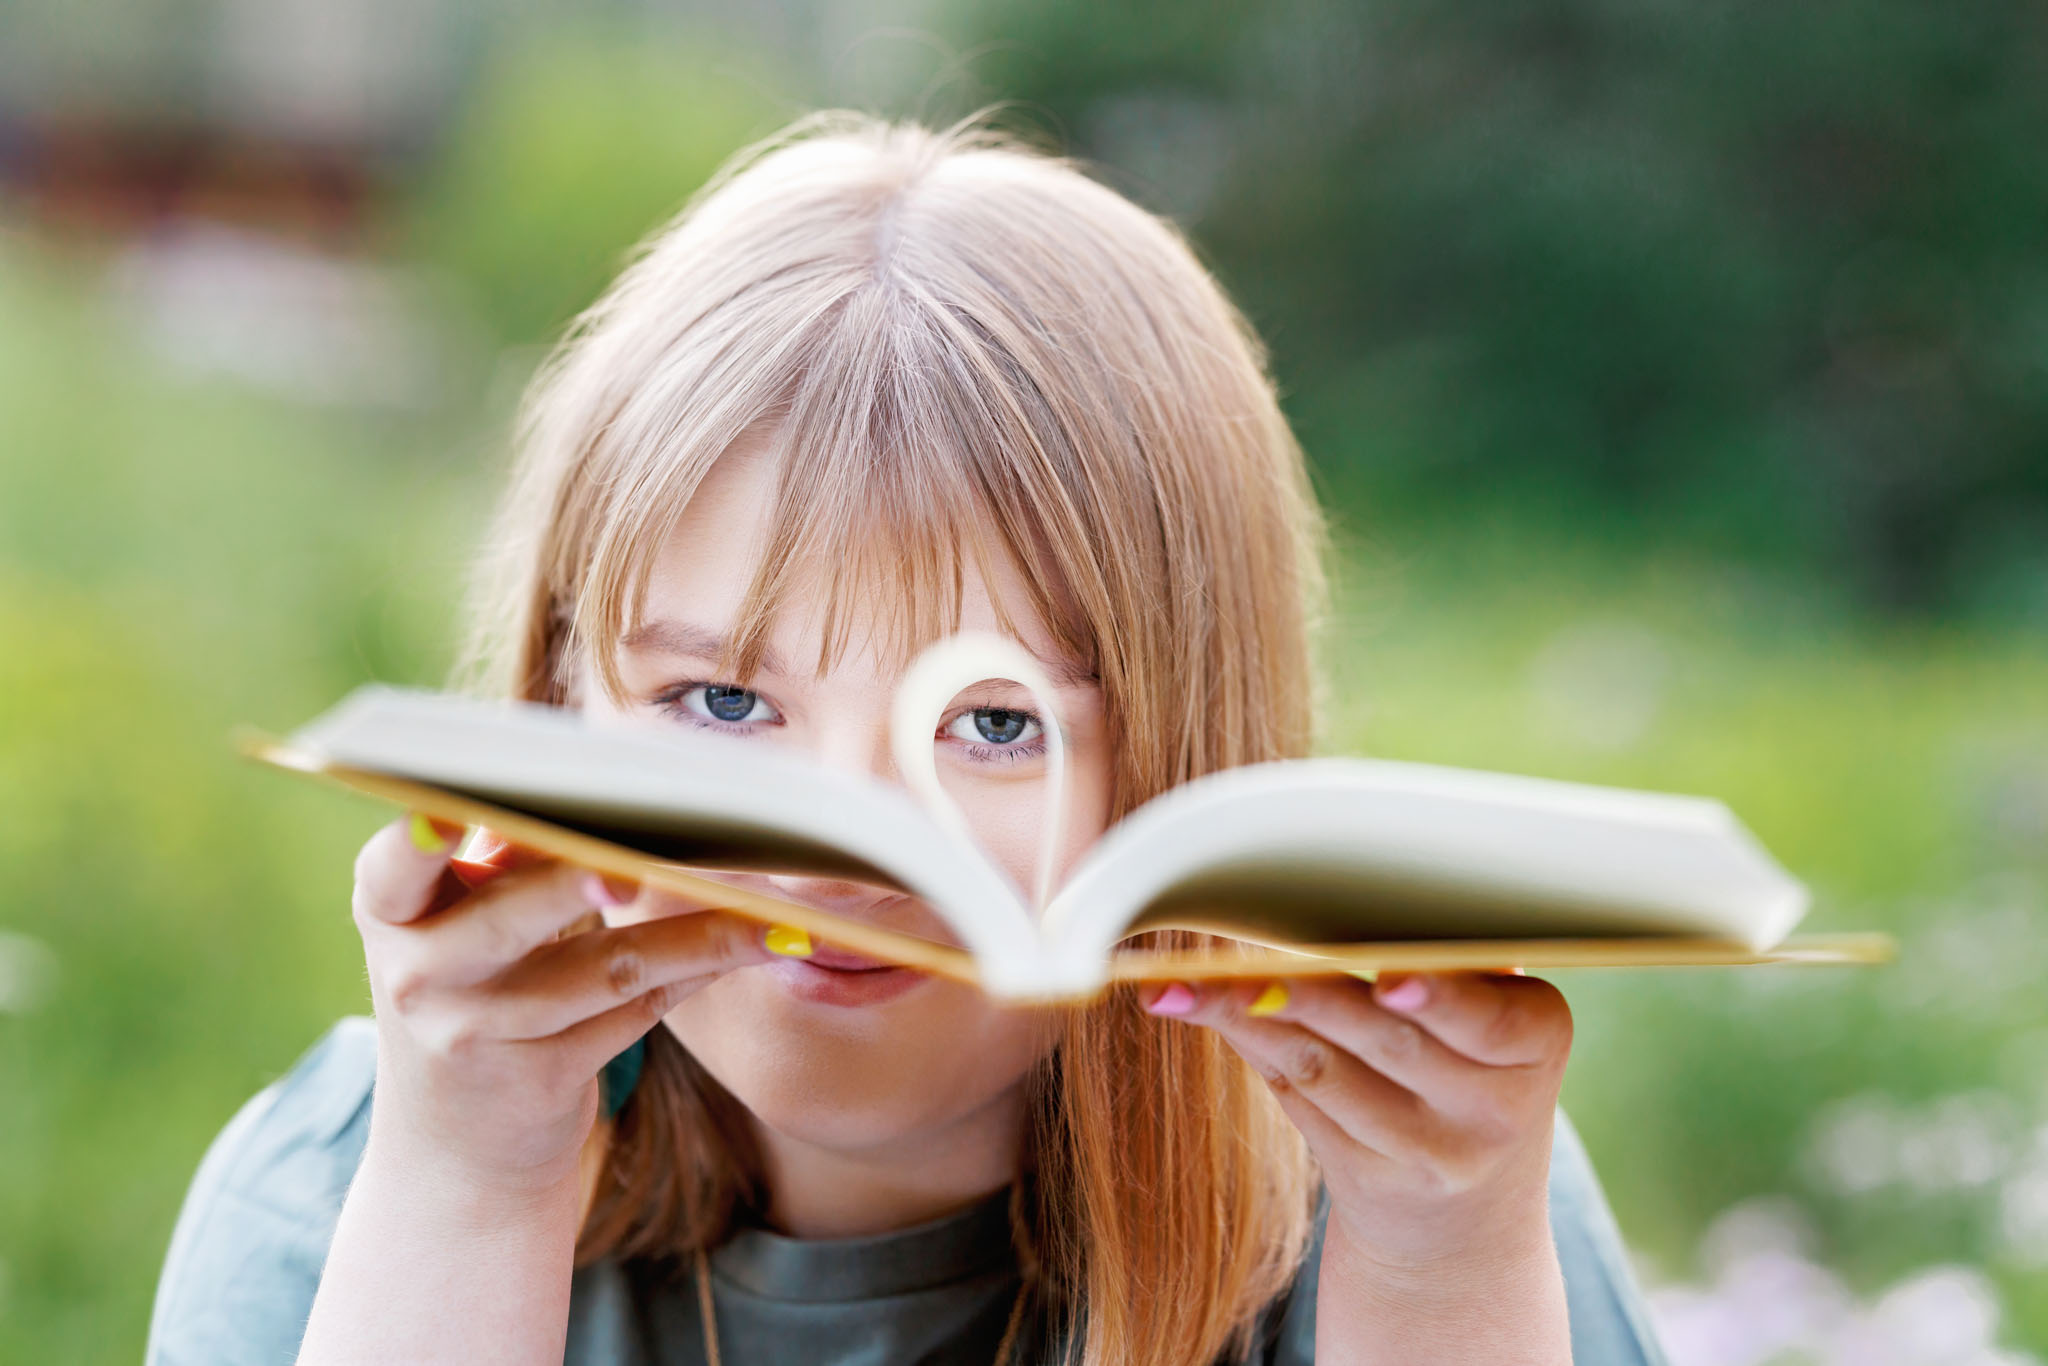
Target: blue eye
x=999 y=725
x=728 y=703
x=1000 y=728
x=717 y=705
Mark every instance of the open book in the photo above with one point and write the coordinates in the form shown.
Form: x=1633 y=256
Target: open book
x=1304 y=865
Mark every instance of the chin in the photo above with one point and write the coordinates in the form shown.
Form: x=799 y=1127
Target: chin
x=851 y=1079
x=831 y=1102
x=840 y=1083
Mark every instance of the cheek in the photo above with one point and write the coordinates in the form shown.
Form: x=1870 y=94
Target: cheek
x=1008 y=825
x=1009 y=822
x=851 y=1077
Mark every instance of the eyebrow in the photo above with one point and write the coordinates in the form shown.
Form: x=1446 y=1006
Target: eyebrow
x=664 y=636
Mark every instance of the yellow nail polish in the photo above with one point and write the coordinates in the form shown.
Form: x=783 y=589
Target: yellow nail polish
x=788 y=941
x=425 y=837
x=1268 y=1001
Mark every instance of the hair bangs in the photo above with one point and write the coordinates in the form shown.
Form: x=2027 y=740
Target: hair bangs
x=896 y=473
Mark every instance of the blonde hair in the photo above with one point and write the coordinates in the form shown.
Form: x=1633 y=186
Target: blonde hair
x=950 y=331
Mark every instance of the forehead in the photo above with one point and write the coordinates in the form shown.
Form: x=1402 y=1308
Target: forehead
x=700 y=576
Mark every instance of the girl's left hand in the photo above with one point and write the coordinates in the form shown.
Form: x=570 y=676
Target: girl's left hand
x=1427 y=1098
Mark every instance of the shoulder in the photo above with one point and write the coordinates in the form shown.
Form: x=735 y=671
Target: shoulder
x=245 y=1256
x=1609 y=1319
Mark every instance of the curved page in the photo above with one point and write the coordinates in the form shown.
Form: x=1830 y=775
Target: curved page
x=704 y=801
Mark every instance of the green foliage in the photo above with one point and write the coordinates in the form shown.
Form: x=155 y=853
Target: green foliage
x=1768 y=276
x=175 y=560
x=577 y=142
x=1901 y=771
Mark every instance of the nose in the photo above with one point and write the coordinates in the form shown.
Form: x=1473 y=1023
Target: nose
x=851 y=899
x=864 y=751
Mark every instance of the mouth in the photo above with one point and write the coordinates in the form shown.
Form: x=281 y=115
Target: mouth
x=829 y=975
x=835 y=977
x=841 y=960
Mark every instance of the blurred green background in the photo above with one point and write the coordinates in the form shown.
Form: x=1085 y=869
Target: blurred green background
x=1678 y=378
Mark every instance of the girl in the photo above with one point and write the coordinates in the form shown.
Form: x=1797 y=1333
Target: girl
x=875 y=383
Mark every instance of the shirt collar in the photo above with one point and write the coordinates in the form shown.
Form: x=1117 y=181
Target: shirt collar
x=952 y=1247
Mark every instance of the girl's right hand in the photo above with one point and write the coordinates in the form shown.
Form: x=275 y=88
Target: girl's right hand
x=491 y=1030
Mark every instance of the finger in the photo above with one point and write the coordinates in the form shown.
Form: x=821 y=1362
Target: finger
x=550 y=991
x=503 y=921
x=1501 y=1020
x=626 y=902
x=1342 y=1010
x=587 y=1046
x=400 y=870
x=490 y=856
x=1334 y=1148
x=491 y=848
x=1375 y=1111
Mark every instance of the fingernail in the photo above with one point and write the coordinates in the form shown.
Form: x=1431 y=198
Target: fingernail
x=1269 y=1001
x=599 y=892
x=426 y=837
x=1407 y=993
x=1177 y=999
x=789 y=941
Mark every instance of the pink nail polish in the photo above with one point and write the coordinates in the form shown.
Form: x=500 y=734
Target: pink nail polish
x=1407 y=994
x=1175 y=1000
x=598 y=893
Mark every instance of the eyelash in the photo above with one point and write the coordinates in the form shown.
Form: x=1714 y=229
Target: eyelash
x=670 y=700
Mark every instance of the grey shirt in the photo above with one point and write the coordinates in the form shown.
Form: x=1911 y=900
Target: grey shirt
x=246 y=1254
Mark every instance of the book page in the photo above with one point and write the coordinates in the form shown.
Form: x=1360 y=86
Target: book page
x=704 y=801
x=1332 y=851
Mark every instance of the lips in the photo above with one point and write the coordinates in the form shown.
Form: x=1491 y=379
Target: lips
x=841 y=961
x=829 y=975
x=808 y=980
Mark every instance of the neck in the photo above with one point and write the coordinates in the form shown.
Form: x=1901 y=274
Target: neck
x=826 y=1192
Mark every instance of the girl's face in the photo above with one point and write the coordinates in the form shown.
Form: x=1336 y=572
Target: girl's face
x=844 y=1060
